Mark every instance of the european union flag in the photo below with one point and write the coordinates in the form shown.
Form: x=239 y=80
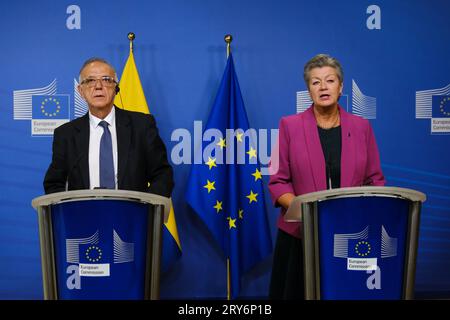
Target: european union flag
x=441 y=106
x=93 y=253
x=50 y=106
x=363 y=248
x=226 y=190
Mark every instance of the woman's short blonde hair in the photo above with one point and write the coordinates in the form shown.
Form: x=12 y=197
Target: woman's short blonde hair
x=319 y=61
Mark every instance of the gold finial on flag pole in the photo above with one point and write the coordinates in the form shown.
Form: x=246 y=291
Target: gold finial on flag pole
x=228 y=38
x=131 y=37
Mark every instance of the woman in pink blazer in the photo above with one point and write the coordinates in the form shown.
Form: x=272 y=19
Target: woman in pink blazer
x=324 y=147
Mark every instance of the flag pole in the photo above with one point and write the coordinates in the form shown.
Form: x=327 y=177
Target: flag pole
x=228 y=38
x=228 y=280
x=131 y=37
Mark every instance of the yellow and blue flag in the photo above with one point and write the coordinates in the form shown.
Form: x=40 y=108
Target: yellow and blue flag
x=226 y=191
x=133 y=98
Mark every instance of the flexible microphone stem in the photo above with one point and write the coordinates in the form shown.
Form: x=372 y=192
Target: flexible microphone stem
x=120 y=97
x=71 y=169
x=329 y=176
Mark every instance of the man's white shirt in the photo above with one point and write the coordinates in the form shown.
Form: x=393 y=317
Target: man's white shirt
x=95 y=136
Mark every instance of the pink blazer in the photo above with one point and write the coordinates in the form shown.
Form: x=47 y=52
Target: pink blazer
x=301 y=163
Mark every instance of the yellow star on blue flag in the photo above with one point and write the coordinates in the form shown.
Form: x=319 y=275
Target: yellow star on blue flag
x=221 y=192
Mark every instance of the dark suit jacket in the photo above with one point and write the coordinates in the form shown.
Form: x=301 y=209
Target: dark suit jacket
x=142 y=156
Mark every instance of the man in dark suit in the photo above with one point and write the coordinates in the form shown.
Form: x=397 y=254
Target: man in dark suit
x=108 y=147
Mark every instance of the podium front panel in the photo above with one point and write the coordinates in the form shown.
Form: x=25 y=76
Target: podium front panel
x=362 y=244
x=100 y=249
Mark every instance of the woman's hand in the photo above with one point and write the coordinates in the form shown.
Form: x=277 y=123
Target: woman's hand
x=285 y=200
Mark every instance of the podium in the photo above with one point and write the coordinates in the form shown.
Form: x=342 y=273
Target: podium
x=359 y=243
x=101 y=244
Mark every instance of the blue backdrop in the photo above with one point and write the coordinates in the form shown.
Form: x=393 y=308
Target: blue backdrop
x=395 y=59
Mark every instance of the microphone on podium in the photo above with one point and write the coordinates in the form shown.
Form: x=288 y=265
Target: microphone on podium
x=76 y=162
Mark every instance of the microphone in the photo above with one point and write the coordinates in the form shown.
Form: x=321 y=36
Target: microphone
x=120 y=96
x=328 y=168
x=71 y=169
x=330 y=186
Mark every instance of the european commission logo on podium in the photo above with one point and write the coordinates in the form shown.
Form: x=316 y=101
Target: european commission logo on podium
x=87 y=257
x=362 y=252
x=434 y=104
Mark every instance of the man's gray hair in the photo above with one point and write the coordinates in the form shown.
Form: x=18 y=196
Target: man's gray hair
x=319 y=61
x=97 y=59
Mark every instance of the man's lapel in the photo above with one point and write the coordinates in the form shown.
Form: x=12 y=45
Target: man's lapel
x=82 y=148
x=123 y=142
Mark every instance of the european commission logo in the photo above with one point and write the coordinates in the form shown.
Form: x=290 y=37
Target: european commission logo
x=363 y=252
x=434 y=104
x=87 y=257
x=46 y=109
x=362 y=105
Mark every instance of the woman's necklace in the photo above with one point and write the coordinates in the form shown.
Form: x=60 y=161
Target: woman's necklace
x=329 y=126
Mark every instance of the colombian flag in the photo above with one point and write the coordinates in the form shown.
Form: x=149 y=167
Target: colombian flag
x=132 y=96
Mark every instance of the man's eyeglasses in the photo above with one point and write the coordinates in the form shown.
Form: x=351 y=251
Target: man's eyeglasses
x=106 y=82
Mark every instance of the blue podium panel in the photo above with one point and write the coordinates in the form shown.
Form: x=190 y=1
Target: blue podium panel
x=362 y=247
x=100 y=249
